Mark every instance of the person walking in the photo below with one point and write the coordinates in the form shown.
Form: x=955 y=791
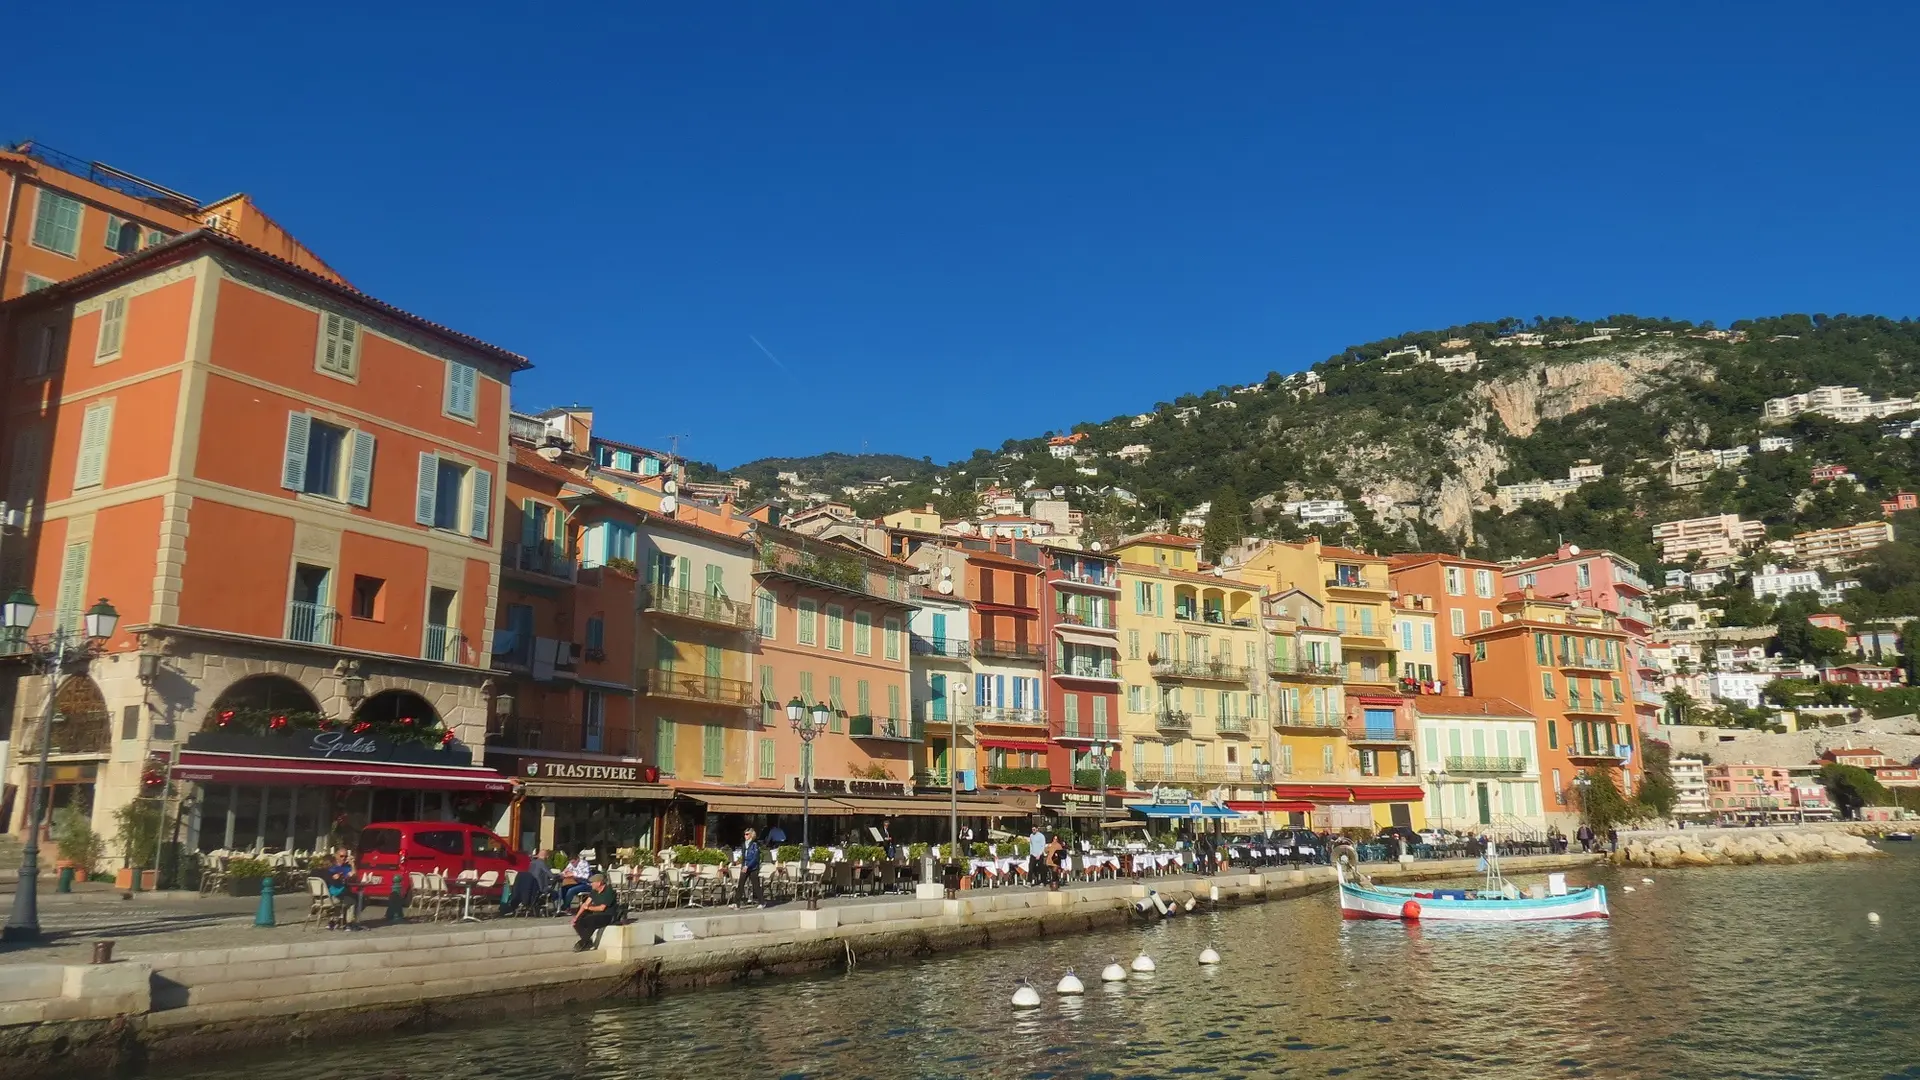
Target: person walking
x=1037 y=857
x=750 y=869
x=1613 y=839
x=1584 y=834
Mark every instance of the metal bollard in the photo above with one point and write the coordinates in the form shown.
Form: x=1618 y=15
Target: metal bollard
x=264 y=917
x=397 y=900
x=65 y=884
x=103 y=952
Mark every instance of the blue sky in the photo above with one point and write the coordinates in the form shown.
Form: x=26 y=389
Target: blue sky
x=952 y=224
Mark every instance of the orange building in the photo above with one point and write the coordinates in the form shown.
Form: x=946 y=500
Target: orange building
x=1563 y=665
x=289 y=491
x=66 y=217
x=1466 y=598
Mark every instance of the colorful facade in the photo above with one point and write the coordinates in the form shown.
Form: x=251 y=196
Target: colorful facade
x=1083 y=669
x=1465 y=595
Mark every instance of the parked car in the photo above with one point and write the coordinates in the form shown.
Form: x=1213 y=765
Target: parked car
x=408 y=847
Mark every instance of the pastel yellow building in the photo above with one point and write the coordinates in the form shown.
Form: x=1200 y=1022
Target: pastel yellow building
x=1192 y=664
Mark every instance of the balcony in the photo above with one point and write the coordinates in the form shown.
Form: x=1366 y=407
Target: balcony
x=1307 y=667
x=1082 y=668
x=1362 y=733
x=1486 y=766
x=1354 y=581
x=995 y=649
x=1089 y=779
x=828 y=567
x=697 y=606
x=1636 y=611
x=1231 y=725
x=1000 y=714
x=1302 y=725
x=1199 y=670
x=1149 y=772
x=1083 y=729
x=544 y=558
x=1580 y=662
x=1173 y=720
x=1091 y=581
x=1009 y=776
x=692 y=686
x=944 y=648
x=1092 y=622
x=444 y=644
x=886 y=729
x=1594 y=706
x=1591 y=753
x=565 y=736
x=312 y=623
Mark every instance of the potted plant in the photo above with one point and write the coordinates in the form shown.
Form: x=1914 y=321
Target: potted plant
x=79 y=844
x=139 y=837
x=245 y=874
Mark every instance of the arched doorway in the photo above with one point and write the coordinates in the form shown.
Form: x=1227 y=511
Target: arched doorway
x=81 y=724
x=391 y=706
x=267 y=693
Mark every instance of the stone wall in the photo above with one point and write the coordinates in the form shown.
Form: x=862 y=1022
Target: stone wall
x=1743 y=847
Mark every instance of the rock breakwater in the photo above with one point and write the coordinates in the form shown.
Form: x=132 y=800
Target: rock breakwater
x=1742 y=847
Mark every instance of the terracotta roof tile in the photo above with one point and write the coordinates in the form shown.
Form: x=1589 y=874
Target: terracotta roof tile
x=1459 y=705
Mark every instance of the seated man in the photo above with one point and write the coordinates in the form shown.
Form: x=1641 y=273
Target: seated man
x=341 y=887
x=599 y=909
x=528 y=887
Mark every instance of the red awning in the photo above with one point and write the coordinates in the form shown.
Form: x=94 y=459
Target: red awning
x=1269 y=806
x=1028 y=746
x=1320 y=793
x=211 y=768
x=1385 y=793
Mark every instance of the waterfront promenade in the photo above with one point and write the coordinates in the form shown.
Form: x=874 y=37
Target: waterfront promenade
x=238 y=986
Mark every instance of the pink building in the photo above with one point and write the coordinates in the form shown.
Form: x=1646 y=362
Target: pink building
x=1871 y=676
x=1611 y=583
x=1733 y=788
x=1902 y=500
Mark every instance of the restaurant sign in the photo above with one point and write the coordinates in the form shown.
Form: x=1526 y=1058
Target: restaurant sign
x=593 y=771
x=837 y=786
x=325 y=746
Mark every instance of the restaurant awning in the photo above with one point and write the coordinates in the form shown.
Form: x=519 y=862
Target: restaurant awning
x=1270 y=806
x=215 y=768
x=1388 y=793
x=1181 y=810
x=1087 y=638
x=1029 y=746
x=933 y=807
x=1320 y=793
x=729 y=803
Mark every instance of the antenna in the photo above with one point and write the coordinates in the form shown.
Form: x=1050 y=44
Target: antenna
x=673 y=444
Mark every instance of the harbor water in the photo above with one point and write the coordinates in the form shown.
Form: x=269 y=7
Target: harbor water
x=1759 y=972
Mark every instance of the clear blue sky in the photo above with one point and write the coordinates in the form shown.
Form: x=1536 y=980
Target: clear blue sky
x=959 y=223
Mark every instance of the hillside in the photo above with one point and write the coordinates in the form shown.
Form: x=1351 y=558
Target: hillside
x=1426 y=447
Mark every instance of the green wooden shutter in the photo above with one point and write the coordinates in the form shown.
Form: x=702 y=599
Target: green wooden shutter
x=663 y=745
x=94 y=429
x=482 y=504
x=682 y=572
x=713 y=661
x=713 y=747
x=714 y=587
x=663 y=651
x=73 y=587
x=360 y=470
x=767 y=768
x=893 y=703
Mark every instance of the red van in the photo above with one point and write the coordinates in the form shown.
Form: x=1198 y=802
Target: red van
x=422 y=847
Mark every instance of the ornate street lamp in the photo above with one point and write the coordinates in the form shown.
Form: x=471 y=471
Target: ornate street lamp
x=53 y=654
x=1436 y=777
x=808 y=724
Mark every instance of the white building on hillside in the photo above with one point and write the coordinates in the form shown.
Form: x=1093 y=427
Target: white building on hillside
x=1773 y=581
x=1690 y=783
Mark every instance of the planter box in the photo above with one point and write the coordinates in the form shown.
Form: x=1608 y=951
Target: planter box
x=246 y=886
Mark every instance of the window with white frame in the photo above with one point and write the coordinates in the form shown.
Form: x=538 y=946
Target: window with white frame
x=454 y=496
x=327 y=460
x=836 y=615
x=1483 y=583
x=1456 y=581
x=806 y=621
x=113 y=329
x=56 y=223
x=96 y=429
x=338 y=351
x=34 y=283
x=463 y=387
x=1458 y=619
x=123 y=236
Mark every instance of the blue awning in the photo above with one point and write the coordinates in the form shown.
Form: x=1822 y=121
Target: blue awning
x=1180 y=810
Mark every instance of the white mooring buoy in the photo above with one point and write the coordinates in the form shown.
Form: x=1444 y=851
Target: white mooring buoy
x=1143 y=962
x=1070 y=984
x=1190 y=903
x=1114 y=973
x=1213 y=893
x=1025 y=996
x=1873 y=916
x=1646 y=881
x=1208 y=956
x=1626 y=888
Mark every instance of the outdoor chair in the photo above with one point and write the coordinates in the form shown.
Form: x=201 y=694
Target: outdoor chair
x=323 y=905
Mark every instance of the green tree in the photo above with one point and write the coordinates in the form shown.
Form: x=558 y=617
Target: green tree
x=1851 y=787
x=1656 y=794
x=1681 y=708
x=1227 y=521
x=1601 y=804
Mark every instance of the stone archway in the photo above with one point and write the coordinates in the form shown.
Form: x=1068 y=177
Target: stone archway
x=268 y=693
x=84 y=726
x=391 y=706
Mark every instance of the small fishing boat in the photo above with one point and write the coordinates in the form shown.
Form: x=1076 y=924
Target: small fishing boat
x=1902 y=835
x=1496 y=901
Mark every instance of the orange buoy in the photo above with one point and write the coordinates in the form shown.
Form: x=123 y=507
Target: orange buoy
x=1410 y=911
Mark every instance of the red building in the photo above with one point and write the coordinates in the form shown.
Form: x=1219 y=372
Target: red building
x=1083 y=665
x=1871 y=676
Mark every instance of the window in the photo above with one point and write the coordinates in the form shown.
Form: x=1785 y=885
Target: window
x=893 y=703
x=836 y=615
x=1099 y=716
x=1546 y=685
x=1133 y=644
x=56 y=223
x=1542 y=649
x=1458 y=618
x=1326 y=760
x=891 y=628
x=863 y=698
x=769 y=706
x=320 y=458
x=766 y=759
x=339 y=348
x=462 y=390
x=862 y=634
x=1483 y=583
x=1553 y=743
x=1479 y=651
x=764 y=614
x=1617 y=694
x=123 y=236
x=713 y=749
x=113 y=329
x=1286 y=760
x=34 y=283
x=1486 y=619
x=1142 y=597
x=1406 y=635
x=596 y=637
x=23 y=478
x=1426 y=637
x=663 y=748
x=369 y=597
x=95 y=429
x=593 y=720
x=1136 y=699
x=1456 y=581
x=804 y=613
x=1584 y=574
x=447 y=490
x=447 y=842
x=71 y=604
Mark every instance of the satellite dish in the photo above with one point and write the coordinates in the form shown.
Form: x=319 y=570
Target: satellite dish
x=1059 y=491
x=670 y=488
x=668 y=505
x=1573 y=549
x=946 y=573
x=944 y=587
x=1095 y=546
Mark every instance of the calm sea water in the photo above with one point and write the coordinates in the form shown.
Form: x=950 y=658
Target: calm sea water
x=1712 y=973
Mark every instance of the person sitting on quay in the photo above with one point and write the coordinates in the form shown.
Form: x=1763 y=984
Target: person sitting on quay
x=575 y=879
x=598 y=910
x=530 y=886
x=346 y=896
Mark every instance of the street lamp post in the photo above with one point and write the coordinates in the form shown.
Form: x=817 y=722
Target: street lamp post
x=1437 y=778
x=807 y=723
x=53 y=654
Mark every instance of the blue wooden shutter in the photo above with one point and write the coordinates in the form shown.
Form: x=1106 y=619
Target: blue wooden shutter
x=293 y=471
x=482 y=503
x=423 y=495
x=360 y=470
